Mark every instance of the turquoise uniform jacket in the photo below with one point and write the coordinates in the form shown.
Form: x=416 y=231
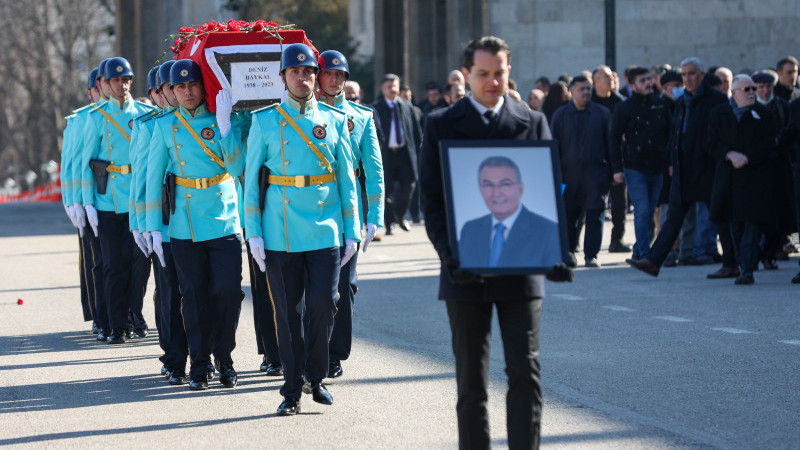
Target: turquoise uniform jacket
x=297 y=219
x=104 y=141
x=66 y=195
x=367 y=150
x=200 y=214
x=140 y=143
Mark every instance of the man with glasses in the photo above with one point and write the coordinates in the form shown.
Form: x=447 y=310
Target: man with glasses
x=508 y=226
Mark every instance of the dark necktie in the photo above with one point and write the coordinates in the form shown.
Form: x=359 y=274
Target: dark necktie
x=497 y=244
x=398 y=131
x=490 y=115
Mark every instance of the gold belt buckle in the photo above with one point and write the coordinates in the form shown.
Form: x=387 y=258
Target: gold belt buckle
x=301 y=181
x=201 y=183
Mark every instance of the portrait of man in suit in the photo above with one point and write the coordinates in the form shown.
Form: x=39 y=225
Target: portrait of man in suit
x=510 y=235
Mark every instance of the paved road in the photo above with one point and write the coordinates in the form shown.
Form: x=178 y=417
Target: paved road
x=628 y=361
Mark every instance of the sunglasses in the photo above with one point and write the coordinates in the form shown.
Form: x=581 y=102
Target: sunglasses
x=748 y=89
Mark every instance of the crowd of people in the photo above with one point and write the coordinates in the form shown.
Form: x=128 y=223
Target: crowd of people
x=655 y=145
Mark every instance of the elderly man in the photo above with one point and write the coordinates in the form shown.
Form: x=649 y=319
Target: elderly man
x=581 y=129
x=693 y=167
x=741 y=138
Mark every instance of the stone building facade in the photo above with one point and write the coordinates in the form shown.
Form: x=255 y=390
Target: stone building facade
x=421 y=40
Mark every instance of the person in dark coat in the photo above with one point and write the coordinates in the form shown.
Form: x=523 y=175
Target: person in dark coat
x=775 y=234
x=794 y=121
x=487 y=113
x=556 y=97
x=581 y=129
x=400 y=146
x=741 y=136
x=692 y=164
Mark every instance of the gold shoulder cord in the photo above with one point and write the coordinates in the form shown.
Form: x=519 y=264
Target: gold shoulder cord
x=305 y=138
x=199 y=141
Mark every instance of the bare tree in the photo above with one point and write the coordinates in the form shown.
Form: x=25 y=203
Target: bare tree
x=49 y=47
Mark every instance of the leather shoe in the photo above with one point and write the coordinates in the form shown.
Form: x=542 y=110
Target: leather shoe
x=619 y=247
x=390 y=229
x=724 y=272
x=139 y=325
x=573 y=261
x=274 y=370
x=177 y=378
x=263 y=366
x=592 y=263
x=796 y=279
x=404 y=225
x=227 y=375
x=164 y=370
x=745 y=278
x=318 y=393
x=645 y=266
x=210 y=372
x=335 y=369
x=95 y=328
x=102 y=336
x=116 y=337
x=128 y=333
x=198 y=384
x=769 y=264
x=289 y=407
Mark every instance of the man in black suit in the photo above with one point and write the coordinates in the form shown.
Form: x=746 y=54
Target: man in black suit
x=400 y=146
x=487 y=113
x=511 y=235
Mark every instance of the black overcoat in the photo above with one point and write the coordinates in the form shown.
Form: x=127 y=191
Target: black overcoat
x=745 y=194
x=462 y=121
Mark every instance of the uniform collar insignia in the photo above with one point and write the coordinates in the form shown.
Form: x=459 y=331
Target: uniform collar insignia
x=294 y=104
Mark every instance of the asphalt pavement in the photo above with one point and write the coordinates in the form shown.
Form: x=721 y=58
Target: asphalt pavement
x=628 y=361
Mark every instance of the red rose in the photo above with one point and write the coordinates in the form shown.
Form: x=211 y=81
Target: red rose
x=272 y=24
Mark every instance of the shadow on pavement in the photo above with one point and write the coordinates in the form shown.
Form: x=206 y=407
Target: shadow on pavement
x=65 y=341
x=34 y=219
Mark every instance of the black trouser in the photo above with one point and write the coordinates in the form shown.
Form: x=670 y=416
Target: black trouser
x=471 y=324
x=342 y=335
x=286 y=277
x=140 y=273
x=95 y=276
x=745 y=239
x=593 y=234
x=263 y=313
x=171 y=334
x=773 y=241
x=117 y=244
x=618 y=209
x=669 y=232
x=210 y=278
x=397 y=168
x=726 y=241
x=84 y=269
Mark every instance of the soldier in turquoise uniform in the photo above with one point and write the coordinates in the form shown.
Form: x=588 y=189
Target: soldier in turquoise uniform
x=105 y=199
x=300 y=150
x=171 y=333
x=366 y=157
x=204 y=155
x=93 y=275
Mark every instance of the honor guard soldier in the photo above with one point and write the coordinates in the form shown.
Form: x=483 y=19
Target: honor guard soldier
x=203 y=154
x=299 y=162
x=366 y=156
x=91 y=258
x=172 y=335
x=106 y=187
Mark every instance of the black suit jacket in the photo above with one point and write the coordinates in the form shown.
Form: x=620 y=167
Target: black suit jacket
x=412 y=131
x=462 y=121
x=532 y=242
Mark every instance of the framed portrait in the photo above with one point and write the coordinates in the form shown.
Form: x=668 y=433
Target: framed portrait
x=505 y=212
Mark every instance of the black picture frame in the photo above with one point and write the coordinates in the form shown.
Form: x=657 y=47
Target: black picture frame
x=537 y=238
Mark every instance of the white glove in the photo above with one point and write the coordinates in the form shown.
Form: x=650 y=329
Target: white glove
x=148 y=241
x=157 y=240
x=350 y=249
x=371 y=230
x=80 y=217
x=70 y=215
x=224 y=108
x=140 y=242
x=257 y=250
x=91 y=217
